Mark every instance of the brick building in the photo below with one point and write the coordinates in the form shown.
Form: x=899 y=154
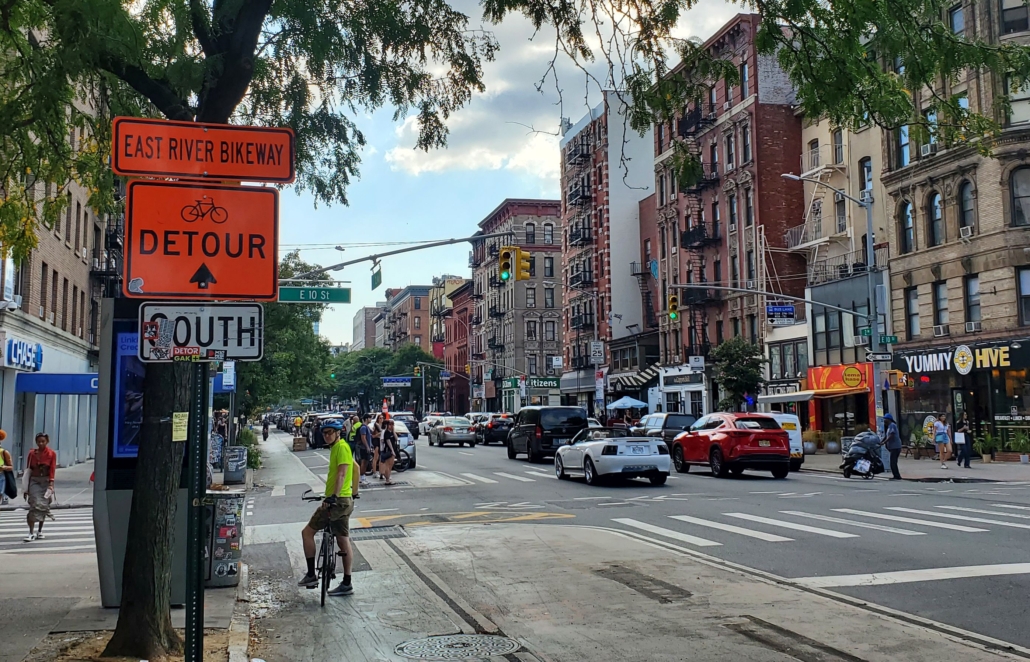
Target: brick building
x=519 y=330
x=439 y=307
x=960 y=257
x=605 y=172
x=364 y=334
x=407 y=317
x=729 y=227
x=458 y=321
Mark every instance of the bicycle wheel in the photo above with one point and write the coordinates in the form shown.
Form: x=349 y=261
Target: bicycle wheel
x=219 y=214
x=327 y=563
x=403 y=461
x=190 y=213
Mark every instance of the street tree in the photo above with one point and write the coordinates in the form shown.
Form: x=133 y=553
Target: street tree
x=737 y=367
x=68 y=66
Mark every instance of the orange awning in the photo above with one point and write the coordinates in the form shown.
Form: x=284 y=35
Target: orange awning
x=804 y=396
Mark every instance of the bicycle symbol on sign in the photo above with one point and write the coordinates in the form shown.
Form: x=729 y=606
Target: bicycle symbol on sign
x=203 y=209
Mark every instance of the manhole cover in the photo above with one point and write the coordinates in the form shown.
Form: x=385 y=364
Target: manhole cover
x=457 y=647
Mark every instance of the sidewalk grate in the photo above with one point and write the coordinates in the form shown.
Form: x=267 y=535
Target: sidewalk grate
x=457 y=647
x=378 y=533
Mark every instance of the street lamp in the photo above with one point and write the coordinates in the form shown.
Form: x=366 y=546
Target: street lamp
x=871 y=271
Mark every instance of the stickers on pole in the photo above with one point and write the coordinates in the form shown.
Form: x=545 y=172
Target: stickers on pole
x=190 y=332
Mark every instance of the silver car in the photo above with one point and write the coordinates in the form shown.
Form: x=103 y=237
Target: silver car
x=405 y=441
x=452 y=430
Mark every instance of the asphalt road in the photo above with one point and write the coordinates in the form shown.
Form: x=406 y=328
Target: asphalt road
x=956 y=554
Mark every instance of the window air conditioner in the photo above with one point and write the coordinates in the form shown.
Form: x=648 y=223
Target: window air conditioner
x=838 y=197
x=733 y=227
x=974 y=327
x=941 y=330
x=928 y=150
x=966 y=232
x=96 y=263
x=50 y=318
x=750 y=285
x=42 y=312
x=727 y=105
x=861 y=341
x=17 y=300
x=866 y=196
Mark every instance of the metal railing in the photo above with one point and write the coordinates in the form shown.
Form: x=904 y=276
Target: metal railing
x=495 y=311
x=578 y=194
x=823 y=156
x=696 y=120
x=583 y=321
x=708 y=177
x=581 y=234
x=844 y=266
x=581 y=279
x=700 y=234
x=639 y=269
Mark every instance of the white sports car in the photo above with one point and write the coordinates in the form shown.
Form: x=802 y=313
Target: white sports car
x=601 y=452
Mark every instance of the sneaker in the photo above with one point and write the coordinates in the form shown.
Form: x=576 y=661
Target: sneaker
x=341 y=589
x=40 y=536
x=308 y=581
x=943 y=465
x=30 y=537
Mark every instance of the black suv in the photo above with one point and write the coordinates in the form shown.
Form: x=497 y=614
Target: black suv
x=540 y=431
x=667 y=425
x=495 y=428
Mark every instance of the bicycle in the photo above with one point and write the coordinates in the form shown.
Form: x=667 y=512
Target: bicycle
x=202 y=209
x=402 y=463
x=325 y=567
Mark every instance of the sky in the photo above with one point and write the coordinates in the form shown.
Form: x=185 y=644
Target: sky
x=503 y=144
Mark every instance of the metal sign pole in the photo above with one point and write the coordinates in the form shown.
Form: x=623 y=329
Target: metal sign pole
x=195 y=538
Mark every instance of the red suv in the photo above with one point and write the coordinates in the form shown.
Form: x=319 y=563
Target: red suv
x=730 y=443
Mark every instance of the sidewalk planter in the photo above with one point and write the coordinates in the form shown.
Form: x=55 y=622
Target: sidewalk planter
x=1006 y=456
x=809 y=447
x=832 y=447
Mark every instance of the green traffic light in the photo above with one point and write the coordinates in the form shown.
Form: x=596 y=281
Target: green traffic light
x=505 y=275
x=673 y=315
x=332 y=376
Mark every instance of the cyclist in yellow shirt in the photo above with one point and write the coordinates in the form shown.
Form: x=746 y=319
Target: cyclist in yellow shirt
x=335 y=509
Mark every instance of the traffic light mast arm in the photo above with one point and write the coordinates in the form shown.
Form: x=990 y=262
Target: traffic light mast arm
x=774 y=295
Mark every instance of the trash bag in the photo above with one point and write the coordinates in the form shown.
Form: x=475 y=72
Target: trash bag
x=10 y=484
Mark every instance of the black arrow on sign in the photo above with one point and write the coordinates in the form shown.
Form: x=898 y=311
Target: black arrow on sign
x=203 y=277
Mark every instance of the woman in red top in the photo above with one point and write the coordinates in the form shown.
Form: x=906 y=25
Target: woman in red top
x=41 y=467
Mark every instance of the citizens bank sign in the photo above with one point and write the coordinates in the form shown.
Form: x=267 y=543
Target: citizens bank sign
x=962 y=359
x=23 y=355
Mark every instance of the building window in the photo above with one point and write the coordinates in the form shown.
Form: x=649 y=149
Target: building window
x=750 y=265
x=418 y=322
x=661 y=242
x=717 y=271
x=813 y=155
x=548 y=267
x=659 y=134
x=935 y=220
x=530 y=233
x=548 y=233
x=715 y=218
x=838 y=146
x=840 y=210
x=718 y=332
x=418 y=340
x=745 y=144
x=1024 y=296
x=1014 y=16
x=903 y=155
x=912 y=313
x=957 y=20
x=548 y=297
x=732 y=201
x=907 y=228
x=661 y=189
x=531 y=365
x=731 y=152
x=736 y=327
x=749 y=208
x=940 y=303
x=734 y=271
x=711 y=97
x=752 y=329
x=530 y=297
x=713 y=155
x=972 y=295
x=865 y=174
x=532 y=266
x=647 y=250
x=967 y=205
x=743 y=80
x=550 y=331
x=531 y=330
x=1019 y=181
x=418 y=303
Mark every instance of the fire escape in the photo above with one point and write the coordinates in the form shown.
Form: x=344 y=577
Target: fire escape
x=699 y=235
x=642 y=271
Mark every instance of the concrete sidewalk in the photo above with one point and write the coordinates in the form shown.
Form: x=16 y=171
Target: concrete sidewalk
x=72 y=485
x=549 y=592
x=929 y=469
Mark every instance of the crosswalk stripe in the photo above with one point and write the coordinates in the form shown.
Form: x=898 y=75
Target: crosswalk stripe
x=849 y=522
x=541 y=475
x=985 y=512
x=29 y=549
x=1005 y=505
x=964 y=518
x=513 y=477
x=768 y=537
x=42 y=544
x=922 y=575
x=479 y=478
x=910 y=520
x=792 y=525
x=667 y=533
x=50 y=531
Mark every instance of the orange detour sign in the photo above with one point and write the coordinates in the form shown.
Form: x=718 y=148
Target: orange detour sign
x=200 y=241
x=163 y=148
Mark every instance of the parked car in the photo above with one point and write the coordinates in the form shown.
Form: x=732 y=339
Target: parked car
x=540 y=431
x=792 y=424
x=666 y=425
x=409 y=420
x=595 y=453
x=730 y=443
x=427 y=422
x=405 y=440
x=452 y=430
x=494 y=428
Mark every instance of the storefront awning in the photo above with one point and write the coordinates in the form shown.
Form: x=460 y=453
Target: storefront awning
x=634 y=380
x=804 y=396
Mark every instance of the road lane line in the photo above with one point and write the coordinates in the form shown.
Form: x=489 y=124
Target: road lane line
x=514 y=477
x=910 y=520
x=985 y=512
x=791 y=525
x=29 y=549
x=1005 y=505
x=667 y=533
x=541 y=475
x=849 y=522
x=479 y=478
x=768 y=537
x=964 y=518
x=908 y=576
x=588 y=498
x=614 y=503
x=464 y=453
x=379 y=510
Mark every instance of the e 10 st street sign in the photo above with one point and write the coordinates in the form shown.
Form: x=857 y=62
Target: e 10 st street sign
x=314 y=295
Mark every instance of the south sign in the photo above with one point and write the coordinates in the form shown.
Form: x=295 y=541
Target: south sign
x=201 y=332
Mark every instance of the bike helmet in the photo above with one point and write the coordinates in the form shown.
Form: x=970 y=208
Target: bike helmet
x=333 y=424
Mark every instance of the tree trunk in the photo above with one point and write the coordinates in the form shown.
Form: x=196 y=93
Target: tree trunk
x=144 y=629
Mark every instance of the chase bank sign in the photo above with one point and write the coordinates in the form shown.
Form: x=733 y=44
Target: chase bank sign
x=23 y=355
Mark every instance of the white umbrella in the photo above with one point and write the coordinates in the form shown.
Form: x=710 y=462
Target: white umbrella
x=627 y=402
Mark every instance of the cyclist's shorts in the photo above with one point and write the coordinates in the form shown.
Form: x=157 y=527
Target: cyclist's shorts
x=336 y=516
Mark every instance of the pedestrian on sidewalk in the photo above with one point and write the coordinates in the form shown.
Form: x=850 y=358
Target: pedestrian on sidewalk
x=8 y=481
x=963 y=439
x=942 y=439
x=40 y=469
x=387 y=452
x=892 y=440
x=377 y=439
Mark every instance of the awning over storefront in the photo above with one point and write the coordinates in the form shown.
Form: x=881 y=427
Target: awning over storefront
x=804 y=396
x=634 y=380
x=581 y=381
x=52 y=383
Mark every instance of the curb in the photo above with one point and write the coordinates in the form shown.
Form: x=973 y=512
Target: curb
x=7 y=509
x=239 y=627
x=923 y=479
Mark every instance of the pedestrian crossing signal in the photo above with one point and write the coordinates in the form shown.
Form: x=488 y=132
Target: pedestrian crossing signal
x=505 y=263
x=674 y=307
x=418 y=371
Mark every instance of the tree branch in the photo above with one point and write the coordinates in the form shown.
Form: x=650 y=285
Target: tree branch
x=202 y=27
x=225 y=87
x=158 y=92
